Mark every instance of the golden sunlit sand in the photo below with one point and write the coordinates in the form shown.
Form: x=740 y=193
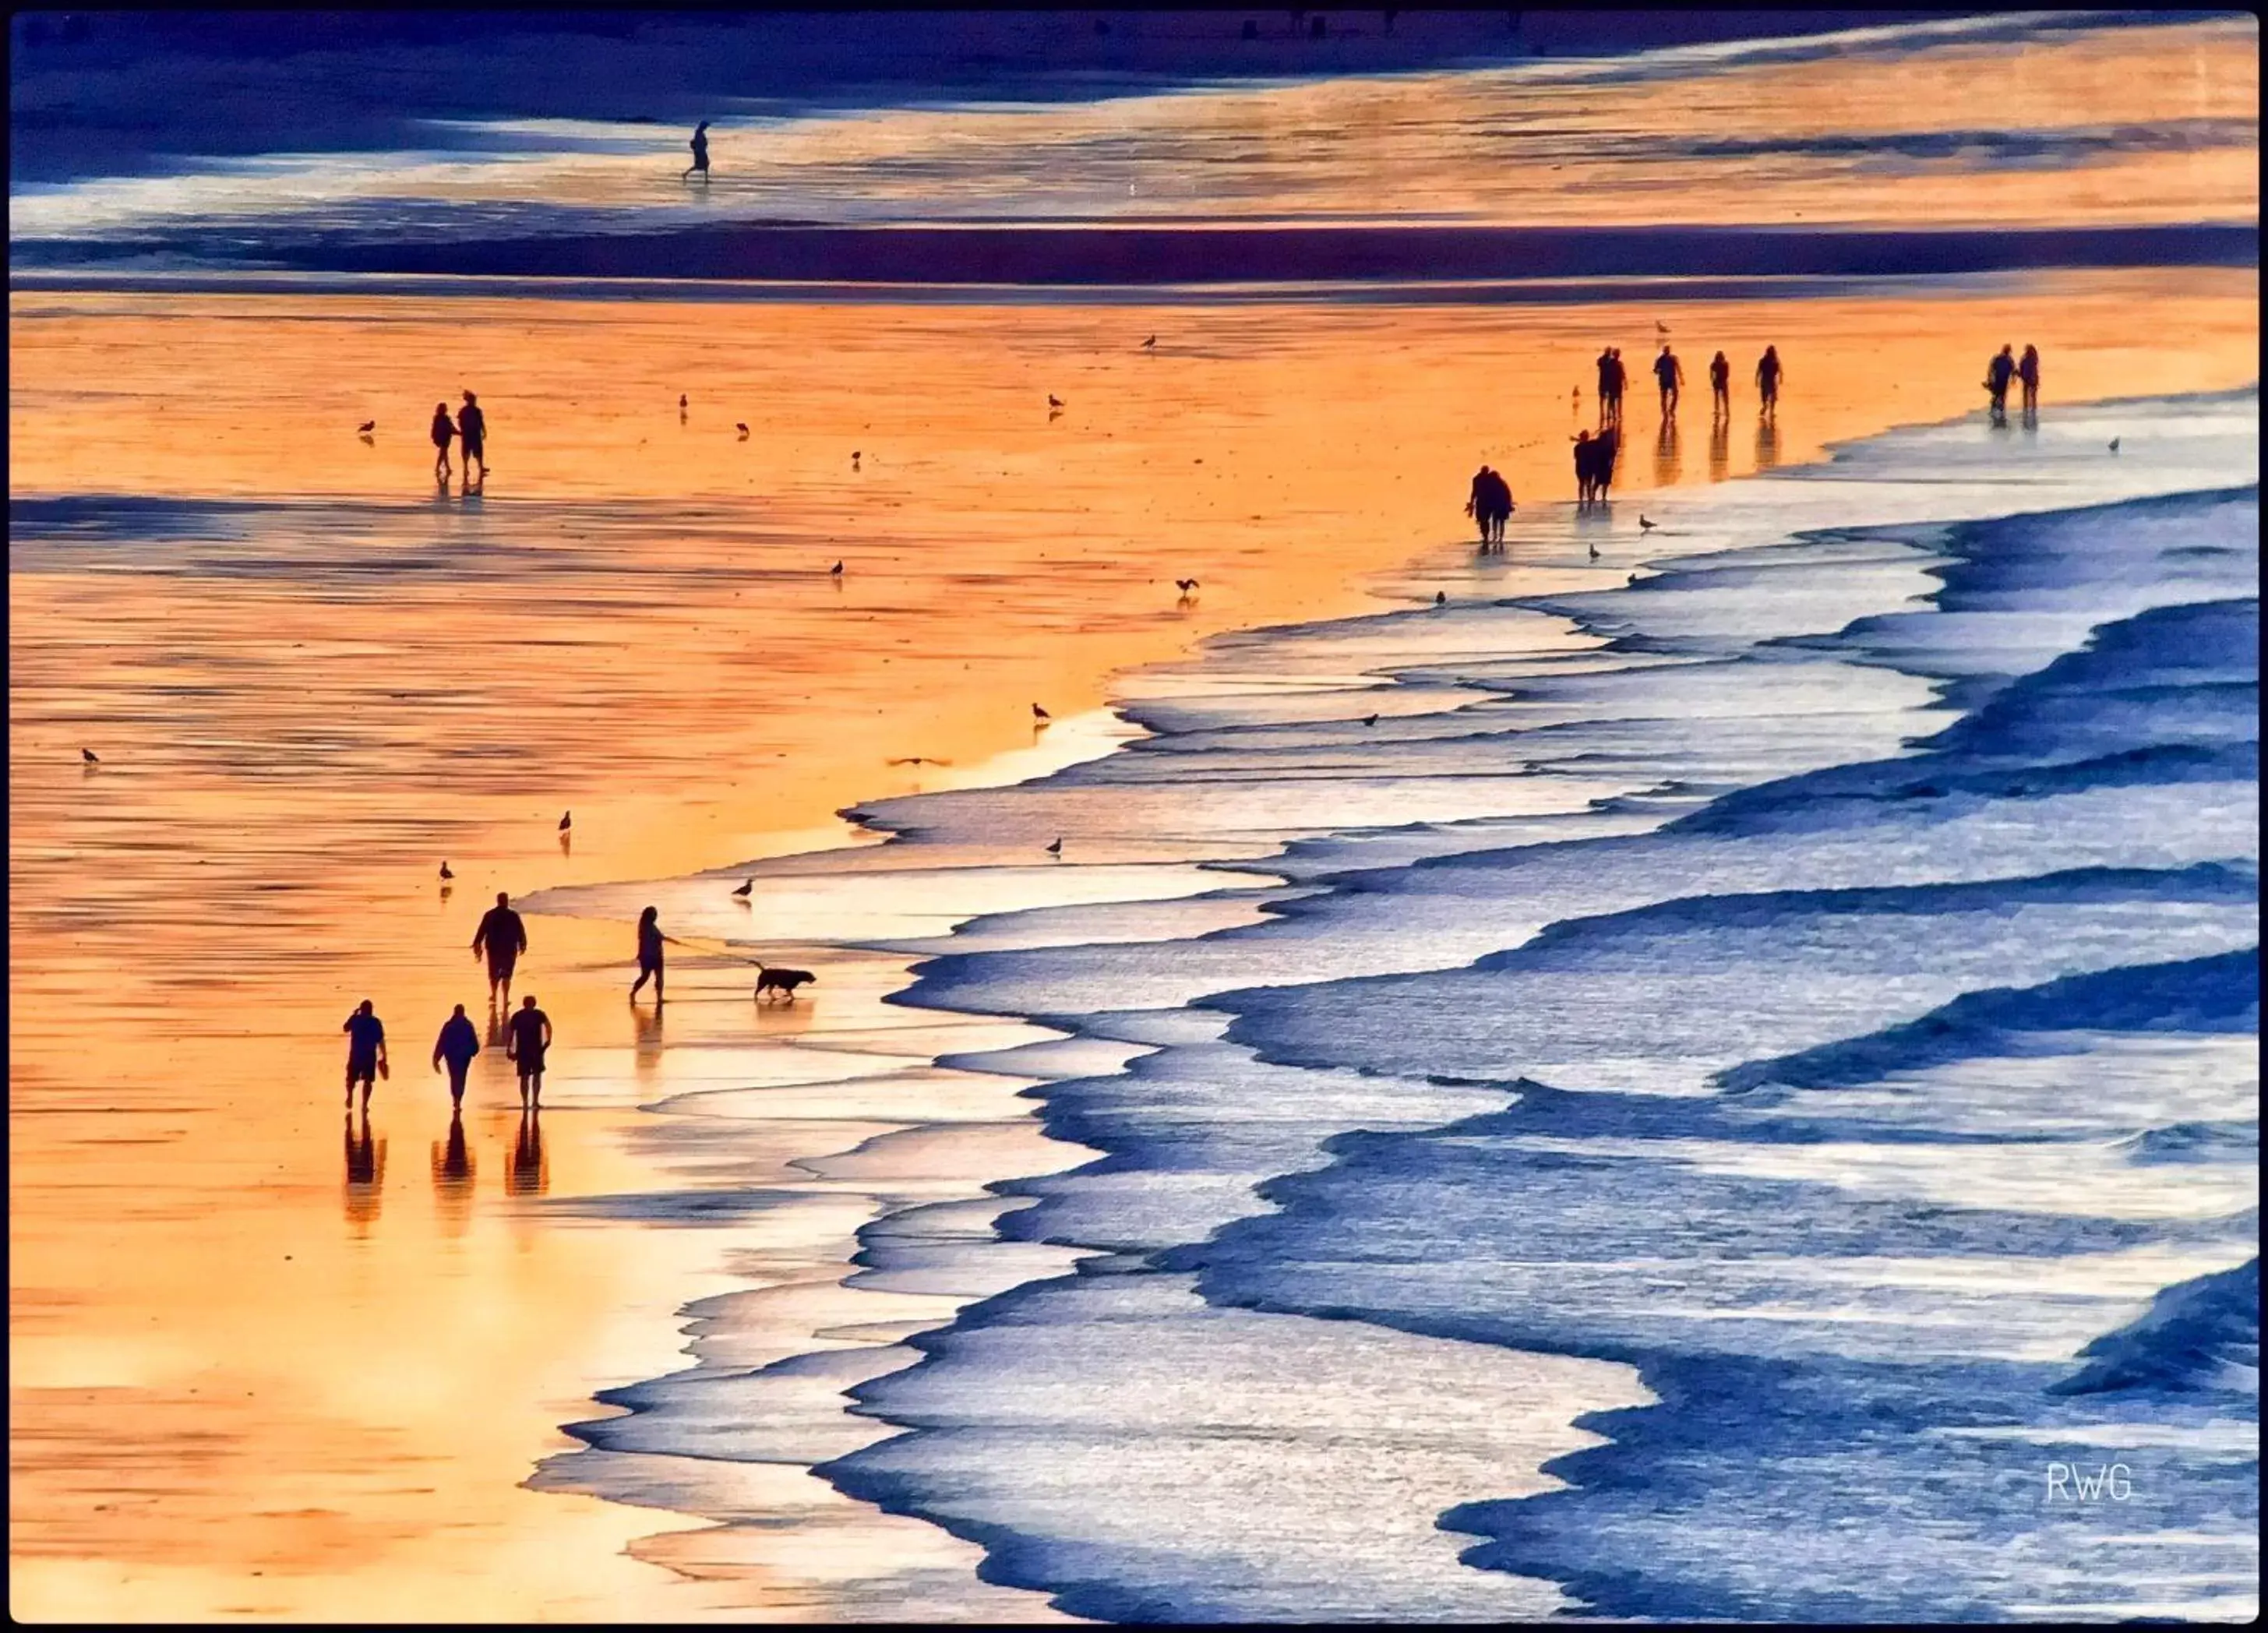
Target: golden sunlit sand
x=242 y=1384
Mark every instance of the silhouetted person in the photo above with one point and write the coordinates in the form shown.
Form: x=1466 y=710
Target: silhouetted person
x=443 y=430
x=1669 y=374
x=700 y=164
x=1500 y=506
x=530 y=1030
x=1997 y=373
x=649 y=952
x=1606 y=384
x=457 y=1045
x=1768 y=375
x=365 y=1051
x=1720 y=387
x=1618 y=377
x=527 y=1176
x=503 y=938
x=1476 y=503
x=2028 y=370
x=473 y=431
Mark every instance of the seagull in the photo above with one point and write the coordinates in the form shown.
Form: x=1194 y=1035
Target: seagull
x=1040 y=715
x=1185 y=584
x=854 y=456
x=444 y=872
x=1645 y=526
x=1440 y=598
x=566 y=820
x=89 y=756
x=1595 y=552
x=742 y=426
x=835 y=572
x=1370 y=720
x=366 y=427
x=2114 y=444
x=1150 y=344
x=747 y=888
x=1055 y=849
x=1054 y=401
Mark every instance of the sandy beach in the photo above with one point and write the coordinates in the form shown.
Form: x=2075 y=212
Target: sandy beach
x=633 y=620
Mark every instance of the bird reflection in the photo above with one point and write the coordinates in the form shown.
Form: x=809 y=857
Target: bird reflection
x=452 y=1177
x=530 y=1174
x=365 y=1173
x=1720 y=450
x=1767 y=443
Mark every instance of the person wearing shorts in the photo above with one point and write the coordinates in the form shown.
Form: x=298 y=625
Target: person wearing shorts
x=531 y=1037
x=472 y=432
x=365 y=1051
x=502 y=939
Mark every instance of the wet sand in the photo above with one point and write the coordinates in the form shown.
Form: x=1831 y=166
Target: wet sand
x=247 y=1383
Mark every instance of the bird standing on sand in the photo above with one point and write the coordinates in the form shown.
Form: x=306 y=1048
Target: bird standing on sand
x=1054 y=401
x=682 y=400
x=1370 y=720
x=1150 y=344
x=566 y=820
x=835 y=572
x=1595 y=552
x=1660 y=328
x=445 y=873
x=747 y=888
x=2114 y=444
x=1055 y=849
x=1440 y=598
x=366 y=427
x=90 y=757
x=742 y=426
x=1040 y=715
x=1645 y=526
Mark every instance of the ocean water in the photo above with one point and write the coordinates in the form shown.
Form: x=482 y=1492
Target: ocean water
x=1731 y=1095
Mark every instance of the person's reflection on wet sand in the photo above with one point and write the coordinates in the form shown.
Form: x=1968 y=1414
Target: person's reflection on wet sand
x=1665 y=455
x=452 y=1177
x=365 y=1174
x=1720 y=450
x=1767 y=443
x=529 y=1175
x=646 y=1059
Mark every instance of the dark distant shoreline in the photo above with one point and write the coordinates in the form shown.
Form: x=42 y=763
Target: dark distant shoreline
x=1143 y=257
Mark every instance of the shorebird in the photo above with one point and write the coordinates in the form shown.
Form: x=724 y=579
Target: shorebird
x=1440 y=598
x=1185 y=584
x=854 y=456
x=2114 y=444
x=835 y=572
x=747 y=888
x=1054 y=401
x=1370 y=720
x=742 y=426
x=1645 y=526
x=89 y=756
x=1150 y=344
x=366 y=427
x=1595 y=552
x=445 y=873
x=1660 y=328
x=1040 y=715
x=1055 y=849
x=680 y=403
x=566 y=820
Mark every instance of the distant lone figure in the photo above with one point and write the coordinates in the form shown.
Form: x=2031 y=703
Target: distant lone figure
x=1669 y=374
x=1720 y=387
x=365 y=1051
x=700 y=164
x=1768 y=375
x=2028 y=370
x=473 y=431
x=649 y=953
x=503 y=938
x=443 y=430
x=1997 y=373
x=457 y=1045
x=530 y=1037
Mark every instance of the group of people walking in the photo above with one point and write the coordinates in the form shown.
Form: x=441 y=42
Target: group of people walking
x=1669 y=377
x=470 y=429
x=2005 y=368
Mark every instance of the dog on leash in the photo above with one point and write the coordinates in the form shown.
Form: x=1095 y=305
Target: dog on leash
x=773 y=978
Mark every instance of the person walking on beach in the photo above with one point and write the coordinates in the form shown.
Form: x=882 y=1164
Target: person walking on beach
x=443 y=432
x=700 y=164
x=1500 y=507
x=649 y=953
x=1606 y=384
x=1476 y=503
x=1769 y=374
x=503 y=938
x=2028 y=370
x=530 y=1036
x=1997 y=373
x=1618 y=377
x=1669 y=374
x=458 y=1043
x=1721 y=389
x=365 y=1052
x=473 y=431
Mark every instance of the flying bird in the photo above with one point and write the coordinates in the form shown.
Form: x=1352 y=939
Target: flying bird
x=747 y=888
x=90 y=757
x=566 y=820
x=445 y=873
x=1645 y=526
x=1054 y=401
x=742 y=426
x=1185 y=584
x=1055 y=849
x=366 y=427
x=1040 y=715
x=2114 y=444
